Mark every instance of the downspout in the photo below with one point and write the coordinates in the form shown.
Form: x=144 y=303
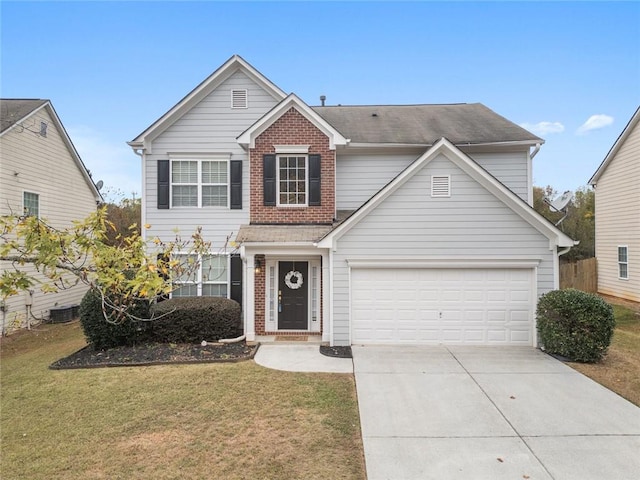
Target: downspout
x=536 y=149
x=143 y=201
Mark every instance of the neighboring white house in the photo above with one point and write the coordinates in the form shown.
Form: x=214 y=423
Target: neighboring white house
x=353 y=224
x=617 y=196
x=41 y=174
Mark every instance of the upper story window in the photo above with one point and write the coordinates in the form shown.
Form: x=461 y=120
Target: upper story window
x=199 y=183
x=31 y=204
x=239 y=99
x=292 y=180
x=623 y=262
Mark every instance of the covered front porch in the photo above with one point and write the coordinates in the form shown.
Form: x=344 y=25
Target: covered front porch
x=286 y=288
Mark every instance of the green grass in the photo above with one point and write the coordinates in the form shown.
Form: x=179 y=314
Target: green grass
x=232 y=421
x=620 y=369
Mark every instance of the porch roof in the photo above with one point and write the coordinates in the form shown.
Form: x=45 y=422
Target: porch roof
x=282 y=233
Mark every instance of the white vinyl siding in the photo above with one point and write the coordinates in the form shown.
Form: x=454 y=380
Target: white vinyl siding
x=472 y=223
x=360 y=175
x=45 y=166
x=617 y=196
x=210 y=127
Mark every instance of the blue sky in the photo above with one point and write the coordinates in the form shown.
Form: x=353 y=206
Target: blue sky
x=568 y=71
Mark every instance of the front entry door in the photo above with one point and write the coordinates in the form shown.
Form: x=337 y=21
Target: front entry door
x=293 y=295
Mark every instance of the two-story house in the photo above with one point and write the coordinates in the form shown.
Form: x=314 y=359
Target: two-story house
x=353 y=224
x=41 y=174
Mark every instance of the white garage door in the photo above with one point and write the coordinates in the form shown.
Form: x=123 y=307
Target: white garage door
x=448 y=306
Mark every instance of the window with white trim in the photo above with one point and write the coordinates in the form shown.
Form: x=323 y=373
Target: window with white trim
x=31 y=204
x=199 y=183
x=292 y=180
x=209 y=279
x=623 y=262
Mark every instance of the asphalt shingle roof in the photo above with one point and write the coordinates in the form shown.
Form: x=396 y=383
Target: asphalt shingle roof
x=14 y=110
x=465 y=123
x=282 y=233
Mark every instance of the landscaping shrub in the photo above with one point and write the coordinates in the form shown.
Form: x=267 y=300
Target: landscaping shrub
x=193 y=319
x=102 y=334
x=575 y=324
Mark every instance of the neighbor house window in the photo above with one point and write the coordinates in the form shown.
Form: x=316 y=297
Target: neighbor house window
x=199 y=183
x=623 y=262
x=208 y=279
x=31 y=204
x=292 y=180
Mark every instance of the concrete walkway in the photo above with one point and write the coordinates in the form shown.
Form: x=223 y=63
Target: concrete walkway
x=300 y=358
x=489 y=413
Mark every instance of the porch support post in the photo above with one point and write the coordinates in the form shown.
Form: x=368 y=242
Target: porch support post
x=327 y=324
x=250 y=299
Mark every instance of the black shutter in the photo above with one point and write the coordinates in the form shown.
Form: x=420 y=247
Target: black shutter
x=314 y=180
x=236 y=278
x=236 y=184
x=163 y=184
x=269 y=179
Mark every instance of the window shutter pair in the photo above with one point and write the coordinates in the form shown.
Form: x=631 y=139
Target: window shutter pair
x=269 y=176
x=164 y=184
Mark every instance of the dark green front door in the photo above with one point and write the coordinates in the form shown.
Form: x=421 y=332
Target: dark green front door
x=293 y=297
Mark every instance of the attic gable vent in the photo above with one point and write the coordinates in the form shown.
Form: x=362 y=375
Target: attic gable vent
x=441 y=186
x=239 y=99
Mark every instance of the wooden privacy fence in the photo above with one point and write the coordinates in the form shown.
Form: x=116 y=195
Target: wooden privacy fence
x=582 y=275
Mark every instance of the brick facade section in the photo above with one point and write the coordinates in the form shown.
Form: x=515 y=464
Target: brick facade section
x=292 y=128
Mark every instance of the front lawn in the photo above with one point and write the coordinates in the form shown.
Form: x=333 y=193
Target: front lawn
x=620 y=370
x=232 y=420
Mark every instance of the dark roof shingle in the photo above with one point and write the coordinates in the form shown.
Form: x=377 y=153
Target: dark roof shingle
x=14 y=110
x=465 y=123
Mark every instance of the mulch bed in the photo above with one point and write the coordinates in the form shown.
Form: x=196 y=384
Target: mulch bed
x=337 y=352
x=156 y=354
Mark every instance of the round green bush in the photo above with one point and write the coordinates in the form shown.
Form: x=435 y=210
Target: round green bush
x=102 y=334
x=194 y=319
x=575 y=324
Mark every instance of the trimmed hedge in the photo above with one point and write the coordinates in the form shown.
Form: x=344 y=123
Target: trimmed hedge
x=194 y=319
x=102 y=334
x=575 y=324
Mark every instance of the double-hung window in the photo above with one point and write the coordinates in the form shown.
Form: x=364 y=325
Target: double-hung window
x=208 y=279
x=200 y=182
x=623 y=262
x=31 y=204
x=292 y=180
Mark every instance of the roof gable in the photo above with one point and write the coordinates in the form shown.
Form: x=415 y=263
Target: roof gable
x=616 y=147
x=24 y=109
x=13 y=111
x=248 y=137
x=471 y=168
x=231 y=66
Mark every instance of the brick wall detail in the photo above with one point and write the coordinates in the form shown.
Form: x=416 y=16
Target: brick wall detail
x=292 y=128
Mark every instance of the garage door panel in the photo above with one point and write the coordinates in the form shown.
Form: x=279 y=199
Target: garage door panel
x=457 y=306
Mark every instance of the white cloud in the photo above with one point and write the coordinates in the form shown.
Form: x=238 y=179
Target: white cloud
x=595 y=122
x=112 y=162
x=543 y=128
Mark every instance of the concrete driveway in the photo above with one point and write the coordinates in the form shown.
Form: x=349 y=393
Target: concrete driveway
x=489 y=413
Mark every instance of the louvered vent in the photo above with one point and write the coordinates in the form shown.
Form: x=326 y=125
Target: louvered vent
x=441 y=186
x=239 y=99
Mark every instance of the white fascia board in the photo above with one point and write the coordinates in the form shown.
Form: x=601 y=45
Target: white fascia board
x=444 y=262
x=232 y=65
x=248 y=137
x=616 y=146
